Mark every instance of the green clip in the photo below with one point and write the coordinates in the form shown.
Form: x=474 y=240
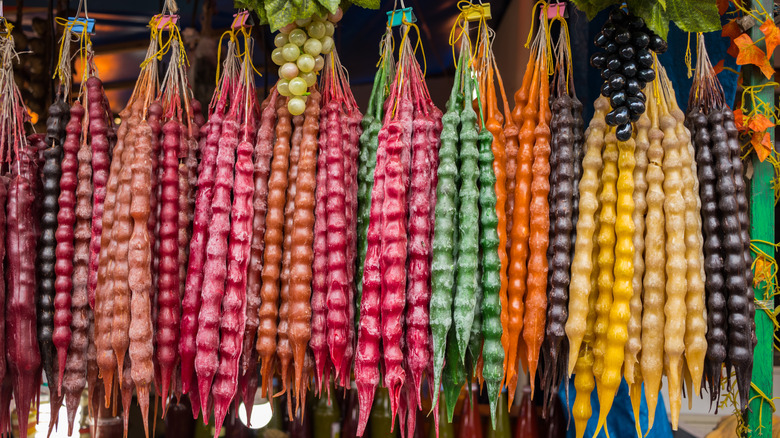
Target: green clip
x=399 y=16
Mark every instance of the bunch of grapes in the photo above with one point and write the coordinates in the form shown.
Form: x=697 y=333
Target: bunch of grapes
x=299 y=51
x=626 y=65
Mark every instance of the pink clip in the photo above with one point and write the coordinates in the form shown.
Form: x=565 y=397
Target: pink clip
x=240 y=20
x=166 y=20
x=554 y=10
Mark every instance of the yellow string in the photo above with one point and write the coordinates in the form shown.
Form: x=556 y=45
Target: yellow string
x=533 y=20
x=83 y=39
x=165 y=46
x=245 y=32
x=232 y=36
x=567 y=48
x=460 y=22
x=688 y=56
x=8 y=27
x=548 y=45
x=419 y=44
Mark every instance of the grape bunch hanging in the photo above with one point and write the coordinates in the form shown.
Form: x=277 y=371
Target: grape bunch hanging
x=299 y=53
x=626 y=65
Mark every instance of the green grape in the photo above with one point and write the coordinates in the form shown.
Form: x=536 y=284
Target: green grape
x=290 y=52
x=319 y=62
x=302 y=22
x=298 y=37
x=305 y=63
x=287 y=29
x=335 y=18
x=313 y=46
x=329 y=28
x=288 y=70
x=297 y=86
x=316 y=29
x=309 y=77
x=280 y=40
x=277 y=57
x=296 y=106
x=327 y=44
x=283 y=87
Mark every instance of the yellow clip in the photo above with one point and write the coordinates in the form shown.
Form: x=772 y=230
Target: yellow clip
x=478 y=12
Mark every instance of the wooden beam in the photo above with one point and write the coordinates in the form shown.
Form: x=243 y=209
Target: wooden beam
x=762 y=219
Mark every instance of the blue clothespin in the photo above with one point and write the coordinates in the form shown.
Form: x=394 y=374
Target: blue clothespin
x=79 y=23
x=397 y=17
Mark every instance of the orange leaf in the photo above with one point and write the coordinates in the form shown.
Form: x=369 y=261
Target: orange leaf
x=723 y=6
x=771 y=35
x=750 y=54
x=739 y=120
x=732 y=30
x=762 y=144
x=759 y=123
x=763 y=270
x=718 y=67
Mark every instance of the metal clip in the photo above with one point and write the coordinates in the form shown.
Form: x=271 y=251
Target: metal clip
x=242 y=19
x=477 y=12
x=79 y=23
x=399 y=16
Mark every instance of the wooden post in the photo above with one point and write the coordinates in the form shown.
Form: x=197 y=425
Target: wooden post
x=762 y=219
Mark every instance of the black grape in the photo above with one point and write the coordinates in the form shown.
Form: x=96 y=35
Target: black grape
x=657 y=44
x=641 y=40
x=601 y=40
x=623 y=132
x=626 y=52
x=623 y=36
x=633 y=86
x=629 y=69
x=635 y=105
x=613 y=62
x=644 y=58
x=618 y=98
x=646 y=74
x=617 y=82
x=598 y=60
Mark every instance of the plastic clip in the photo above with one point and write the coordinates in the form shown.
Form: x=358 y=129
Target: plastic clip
x=399 y=16
x=79 y=23
x=163 y=21
x=555 y=10
x=242 y=19
x=478 y=12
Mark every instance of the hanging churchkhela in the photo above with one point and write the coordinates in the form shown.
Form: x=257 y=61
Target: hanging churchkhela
x=638 y=267
x=82 y=168
x=728 y=261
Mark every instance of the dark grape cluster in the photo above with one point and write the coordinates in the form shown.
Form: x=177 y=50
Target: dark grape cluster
x=626 y=65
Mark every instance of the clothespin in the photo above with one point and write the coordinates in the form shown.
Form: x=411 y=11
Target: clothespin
x=242 y=19
x=399 y=16
x=555 y=10
x=477 y=12
x=80 y=23
x=163 y=21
